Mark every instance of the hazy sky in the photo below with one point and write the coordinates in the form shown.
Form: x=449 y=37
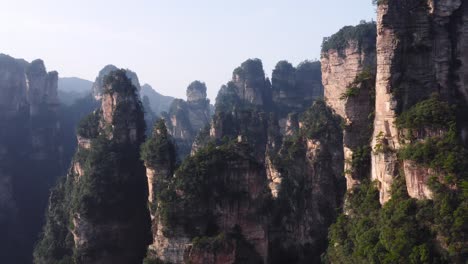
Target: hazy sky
x=173 y=42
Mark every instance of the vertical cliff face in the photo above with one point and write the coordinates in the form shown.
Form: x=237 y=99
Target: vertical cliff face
x=99 y=214
x=419 y=53
x=310 y=165
x=186 y=119
x=30 y=152
x=208 y=212
x=250 y=84
x=242 y=107
x=159 y=155
x=348 y=70
x=418 y=145
x=147 y=96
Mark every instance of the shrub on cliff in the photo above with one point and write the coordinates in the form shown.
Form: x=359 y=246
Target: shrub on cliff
x=431 y=113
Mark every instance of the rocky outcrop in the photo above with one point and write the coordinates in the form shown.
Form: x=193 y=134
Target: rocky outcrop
x=186 y=119
x=295 y=89
x=26 y=85
x=30 y=152
x=348 y=70
x=215 y=192
x=272 y=191
x=251 y=191
x=242 y=108
x=417 y=179
x=419 y=53
x=98 y=86
x=102 y=215
x=250 y=84
x=310 y=164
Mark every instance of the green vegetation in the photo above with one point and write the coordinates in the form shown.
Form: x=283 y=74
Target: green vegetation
x=159 y=154
x=89 y=126
x=100 y=194
x=111 y=185
x=381 y=146
x=126 y=118
x=212 y=243
x=56 y=243
x=443 y=153
x=350 y=92
x=118 y=82
x=431 y=113
x=159 y=149
x=227 y=99
x=395 y=233
x=319 y=122
x=251 y=67
x=203 y=137
x=284 y=68
x=365 y=77
x=360 y=161
x=201 y=179
x=309 y=70
x=365 y=34
x=405 y=230
x=297 y=201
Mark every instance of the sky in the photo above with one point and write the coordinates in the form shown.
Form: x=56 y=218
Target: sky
x=170 y=43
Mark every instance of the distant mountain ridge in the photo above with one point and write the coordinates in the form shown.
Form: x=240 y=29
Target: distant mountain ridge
x=158 y=102
x=74 y=84
x=71 y=89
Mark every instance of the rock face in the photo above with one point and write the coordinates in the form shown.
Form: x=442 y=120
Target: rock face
x=186 y=119
x=211 y=201
x=250 y=84
x=30 y=152
x=419 y=53
x=416 y=178
x=102 y=216
x=348 y=71
x=251 y=192
x=310 y=168
x=148 y=96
